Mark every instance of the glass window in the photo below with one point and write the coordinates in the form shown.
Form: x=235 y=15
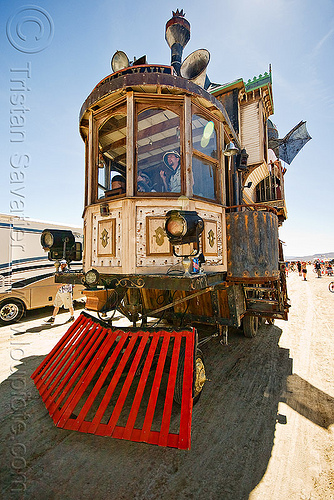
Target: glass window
x=112 y=157
x=204 y=136
x=204 y=178
x=204 y=140
x=158 y=151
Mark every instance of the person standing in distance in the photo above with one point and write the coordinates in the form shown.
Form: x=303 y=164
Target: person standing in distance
x=63 y=297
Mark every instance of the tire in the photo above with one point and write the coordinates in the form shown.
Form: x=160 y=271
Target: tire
x=199 y=374
x=250 y=326
x=331 y=287
x=11 y=311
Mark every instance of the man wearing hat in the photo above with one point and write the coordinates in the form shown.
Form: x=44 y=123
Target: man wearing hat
x=63 y=297
x=172 y=161
x=118 y=182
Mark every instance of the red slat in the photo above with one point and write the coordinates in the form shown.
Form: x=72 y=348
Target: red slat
x=140 y=389
x=68 y=358
x=48 y=366
x=100 y=381
x=72 y=375
x=127 y=384
x=78 y=379
x=164 y=432
x=72 y=364
x=37 y=373
x=187 y=402
x=155 y=389
x=113 y=383
x=63 y=356
x=86 y=379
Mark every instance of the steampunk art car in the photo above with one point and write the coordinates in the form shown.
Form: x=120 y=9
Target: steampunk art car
x=183 y=200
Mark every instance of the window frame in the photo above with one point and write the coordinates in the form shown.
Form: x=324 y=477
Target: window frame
x=176 y=106
x=215 y=162
x=100 y=117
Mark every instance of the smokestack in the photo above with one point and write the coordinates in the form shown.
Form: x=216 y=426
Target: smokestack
x=177 y=37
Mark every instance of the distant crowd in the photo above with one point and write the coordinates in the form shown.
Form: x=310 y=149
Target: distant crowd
x=320 y=267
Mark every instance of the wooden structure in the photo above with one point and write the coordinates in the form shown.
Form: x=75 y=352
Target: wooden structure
x=156 y=141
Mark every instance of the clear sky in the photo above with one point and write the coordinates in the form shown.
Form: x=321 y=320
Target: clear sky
x=42 y=176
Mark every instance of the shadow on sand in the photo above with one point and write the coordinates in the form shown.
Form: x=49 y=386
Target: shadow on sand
x=233 y=429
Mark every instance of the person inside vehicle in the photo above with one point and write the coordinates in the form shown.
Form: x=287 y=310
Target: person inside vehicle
x=118 y=182
x=144 y=184
x=172 y=160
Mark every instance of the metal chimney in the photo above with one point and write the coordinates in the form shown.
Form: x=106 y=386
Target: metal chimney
x=177 y=37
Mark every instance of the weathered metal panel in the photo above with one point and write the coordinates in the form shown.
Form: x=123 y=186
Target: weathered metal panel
x=252 y=244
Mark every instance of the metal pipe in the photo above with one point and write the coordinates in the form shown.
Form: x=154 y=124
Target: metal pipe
x=177 y=37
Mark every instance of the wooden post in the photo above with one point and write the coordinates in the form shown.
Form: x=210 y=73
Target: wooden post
x=187 y=161
x=90 y=160
x=130 y=145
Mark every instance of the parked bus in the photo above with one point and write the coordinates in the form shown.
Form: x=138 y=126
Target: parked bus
x=26 y=274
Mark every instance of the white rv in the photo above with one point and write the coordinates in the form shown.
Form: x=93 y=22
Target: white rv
x=26 y=274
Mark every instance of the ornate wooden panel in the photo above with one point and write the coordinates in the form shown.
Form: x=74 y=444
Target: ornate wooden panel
x=107 y=240
x=212 y=237
x=152 y=245
x=157 y=242
x=106 y=237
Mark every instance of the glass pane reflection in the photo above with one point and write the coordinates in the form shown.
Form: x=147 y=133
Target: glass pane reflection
x=204 y=136
x=204 y=178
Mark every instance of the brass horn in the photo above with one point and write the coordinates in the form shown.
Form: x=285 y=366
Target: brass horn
x=194 y=67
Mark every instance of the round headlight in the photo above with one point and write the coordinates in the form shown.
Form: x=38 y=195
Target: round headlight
x=176 y=226
x=92 y=277
x=47 y=239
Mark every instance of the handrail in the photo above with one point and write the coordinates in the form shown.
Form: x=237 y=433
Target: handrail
x=254 y=206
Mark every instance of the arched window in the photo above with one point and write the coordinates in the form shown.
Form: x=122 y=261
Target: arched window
x=111 y=176
x=158 y=151
x=204 y=166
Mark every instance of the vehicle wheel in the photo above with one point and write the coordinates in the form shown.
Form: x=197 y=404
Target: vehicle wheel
x=250 y=326
x=11 y=311
x=331 y=287
x=199 y=374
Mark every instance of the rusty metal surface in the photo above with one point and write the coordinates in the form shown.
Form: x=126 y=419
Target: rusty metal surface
x=252 y=245
x=157 y=281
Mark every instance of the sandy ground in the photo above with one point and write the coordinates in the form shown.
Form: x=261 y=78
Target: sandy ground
x=263 y=428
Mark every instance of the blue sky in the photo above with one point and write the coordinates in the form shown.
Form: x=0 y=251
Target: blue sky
x=243 y=37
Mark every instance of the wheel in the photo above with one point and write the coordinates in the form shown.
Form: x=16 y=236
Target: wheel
x=11 y=311
x=199 y=374
x=250 y=326
x=331 y=287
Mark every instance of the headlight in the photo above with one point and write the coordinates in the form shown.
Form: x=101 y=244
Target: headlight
x=47 y=239
x=183 y=226
x=176 y=225
x=54 y=239
x=92 y=277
